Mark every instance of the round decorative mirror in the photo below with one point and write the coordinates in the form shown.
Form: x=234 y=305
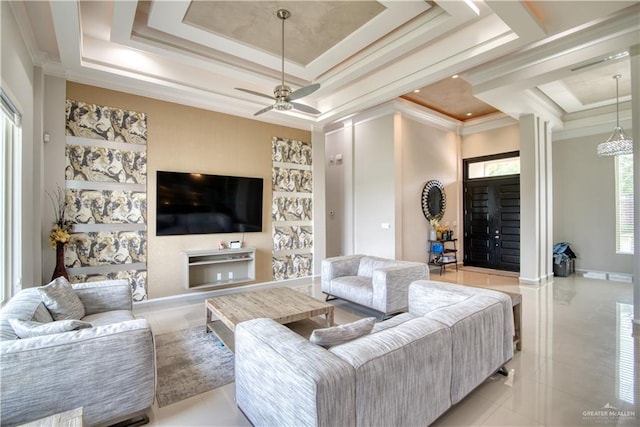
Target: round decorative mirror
x=434 y=201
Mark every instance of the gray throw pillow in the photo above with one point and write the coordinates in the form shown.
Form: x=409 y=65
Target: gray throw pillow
x=30 y=329
x=328 y=337
x=61 y=301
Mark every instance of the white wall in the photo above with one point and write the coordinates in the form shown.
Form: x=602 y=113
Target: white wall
x=17 y=72
x=374 y=187
x=584 y=204
x=54 y=164
x=337 y=223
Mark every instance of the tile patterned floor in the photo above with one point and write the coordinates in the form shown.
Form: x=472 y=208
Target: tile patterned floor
x=577 y=358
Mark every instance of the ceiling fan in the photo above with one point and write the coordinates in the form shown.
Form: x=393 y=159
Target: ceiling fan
x=282 y=94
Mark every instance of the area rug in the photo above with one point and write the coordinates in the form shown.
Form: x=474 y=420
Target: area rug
x=190 y=362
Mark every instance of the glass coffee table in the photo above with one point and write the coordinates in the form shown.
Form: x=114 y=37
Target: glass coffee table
x=284 y=305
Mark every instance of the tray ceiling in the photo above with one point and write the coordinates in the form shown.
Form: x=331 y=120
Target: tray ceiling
x=363 y=53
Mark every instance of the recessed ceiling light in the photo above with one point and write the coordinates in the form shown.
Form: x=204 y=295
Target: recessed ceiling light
x=416 y=91
x=455 y=76
x=469 y=114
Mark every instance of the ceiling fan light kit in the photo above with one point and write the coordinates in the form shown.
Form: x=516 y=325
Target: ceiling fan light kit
x=618 y=143
x=282 y=94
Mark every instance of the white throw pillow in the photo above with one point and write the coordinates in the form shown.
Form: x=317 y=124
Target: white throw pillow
x=328 y=337
x=61 y=301
x=30 y=329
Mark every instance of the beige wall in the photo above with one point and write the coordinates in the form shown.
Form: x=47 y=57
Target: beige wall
x=427 y=153
x=188 y=139
x=494 y=141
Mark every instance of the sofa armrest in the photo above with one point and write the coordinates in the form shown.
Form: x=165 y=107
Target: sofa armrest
x=108 y=370
x=338 y=267
x=391 y=285
x=105 y=295
x=283 y=379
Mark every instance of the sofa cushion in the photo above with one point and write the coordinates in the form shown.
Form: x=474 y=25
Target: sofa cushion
x=328 y=337
x=61 y=301
x=109 y=317
x=356 y=289
x=392 y=322
x=403 y=373
x=426 y=296
x=369 y=264
x=25 y=305
x=477 y=326
x=30 y=329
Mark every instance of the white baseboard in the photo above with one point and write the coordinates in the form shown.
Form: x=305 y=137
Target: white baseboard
x=200 y=296
x=606 y=275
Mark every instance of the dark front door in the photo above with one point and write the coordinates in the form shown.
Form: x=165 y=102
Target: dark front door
x=492 y=223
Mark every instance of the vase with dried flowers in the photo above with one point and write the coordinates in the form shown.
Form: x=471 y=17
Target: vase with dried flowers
x=434 y=226
x=60 y=233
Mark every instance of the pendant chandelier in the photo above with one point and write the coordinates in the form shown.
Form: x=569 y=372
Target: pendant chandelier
x=618 y=143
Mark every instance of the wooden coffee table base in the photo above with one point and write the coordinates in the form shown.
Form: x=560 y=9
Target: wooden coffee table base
x=284 y=305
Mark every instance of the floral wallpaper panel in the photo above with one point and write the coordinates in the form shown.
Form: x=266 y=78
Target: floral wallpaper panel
x=290 y=266
x=137 y=279
x=106 y=190
x=106 y=248
x=105 y=123
x=291 y=209
x=106 y=207
x=105 y=165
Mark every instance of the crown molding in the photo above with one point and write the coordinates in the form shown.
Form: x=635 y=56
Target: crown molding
x=487 y=123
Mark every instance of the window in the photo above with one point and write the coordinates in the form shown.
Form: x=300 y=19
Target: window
x=10 y=134
x=493 y=168
x=624 y=204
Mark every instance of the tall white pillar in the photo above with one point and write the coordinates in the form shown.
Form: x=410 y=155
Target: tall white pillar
x=319 y=199
x=536 y=196
x=635 y=134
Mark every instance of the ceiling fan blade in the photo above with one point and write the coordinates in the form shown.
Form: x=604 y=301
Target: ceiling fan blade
x=304 y=108
x=264 y=110
x=255 y=93
x=303 y=91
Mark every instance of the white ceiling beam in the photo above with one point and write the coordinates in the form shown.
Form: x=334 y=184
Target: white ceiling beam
x=510 y=84
x=66 y=22
x=123 y=17
x=518 y=16
x=435 y=62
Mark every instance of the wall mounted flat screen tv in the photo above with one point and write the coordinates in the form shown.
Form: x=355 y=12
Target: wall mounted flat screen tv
x=195 y=203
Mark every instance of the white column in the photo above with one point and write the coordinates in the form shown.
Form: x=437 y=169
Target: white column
x=319 y=199
x=536 y=195
x=635 y=134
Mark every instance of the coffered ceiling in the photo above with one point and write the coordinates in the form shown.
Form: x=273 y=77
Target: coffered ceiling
x=555 y=57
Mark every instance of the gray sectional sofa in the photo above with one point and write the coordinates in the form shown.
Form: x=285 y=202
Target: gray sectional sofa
x=107 y=367
x=378 y=283
x=408 y=371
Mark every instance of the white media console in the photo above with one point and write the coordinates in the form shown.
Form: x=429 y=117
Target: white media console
x=219 y=267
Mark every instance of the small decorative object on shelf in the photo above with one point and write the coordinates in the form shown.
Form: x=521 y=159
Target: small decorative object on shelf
x=434 y=226
x=60 y=233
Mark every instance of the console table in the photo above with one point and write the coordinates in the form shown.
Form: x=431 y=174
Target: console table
x=447 y=253
x=218 y=267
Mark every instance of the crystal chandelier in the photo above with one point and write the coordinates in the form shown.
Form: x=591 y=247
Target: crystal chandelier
x=618 y=143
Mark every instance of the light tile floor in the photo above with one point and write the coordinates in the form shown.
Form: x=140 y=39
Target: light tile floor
x=578 y=357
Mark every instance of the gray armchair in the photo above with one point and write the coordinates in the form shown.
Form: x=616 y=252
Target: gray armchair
x=378 y=283
x=107 y=369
